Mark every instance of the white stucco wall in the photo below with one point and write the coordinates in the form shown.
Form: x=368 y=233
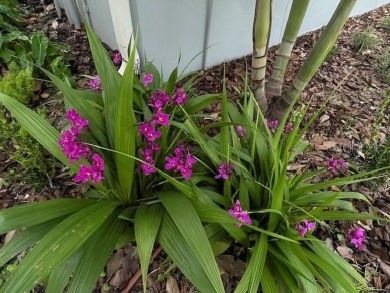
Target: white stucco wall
x=170 y=28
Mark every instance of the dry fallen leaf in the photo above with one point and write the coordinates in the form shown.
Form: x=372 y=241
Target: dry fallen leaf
x=9 y=236
x=172 y=286
x=385 y=268
x=345 y=252
x=326 y=145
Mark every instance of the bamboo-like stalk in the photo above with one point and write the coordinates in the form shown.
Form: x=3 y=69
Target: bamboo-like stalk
x=314 y=60
x=294 y=22
x=261 y=33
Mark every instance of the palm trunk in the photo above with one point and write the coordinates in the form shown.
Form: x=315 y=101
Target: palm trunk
x=261 y=33
x=297 y=13
x=314 y=60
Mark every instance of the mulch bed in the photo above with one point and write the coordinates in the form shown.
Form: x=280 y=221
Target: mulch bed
x=341 y=131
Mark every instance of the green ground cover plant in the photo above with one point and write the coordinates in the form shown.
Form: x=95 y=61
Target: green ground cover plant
x=154 y=175
x=377 y=155
x=35 y=167
x=386 y=23
x=27 y=49
x=383 y=66
x=364 y=40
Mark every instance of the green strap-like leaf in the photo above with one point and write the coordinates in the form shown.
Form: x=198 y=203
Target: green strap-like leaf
x=109 y=78
x=36 y=213
x=95 y=253
x=324 y=252
x=146 y=224
x=184 y=239
x=251 y=279
x=59 y=278
x=25 y=239
x=170 y=85
x=74 y=100
x=126 y=131
x=57 y=246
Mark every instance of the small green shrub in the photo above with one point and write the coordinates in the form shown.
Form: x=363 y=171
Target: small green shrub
x=18 y=85
x=10 y=15
x=383 y=66
x=35 y=168
x=15 y=141
x=27 y=49
x=364 y=40
x=386 y=23
x=378 y=155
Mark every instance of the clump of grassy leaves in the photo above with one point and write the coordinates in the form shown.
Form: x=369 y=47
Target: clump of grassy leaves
x=364 y=40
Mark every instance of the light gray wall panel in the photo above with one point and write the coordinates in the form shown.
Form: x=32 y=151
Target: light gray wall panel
x=170 y=28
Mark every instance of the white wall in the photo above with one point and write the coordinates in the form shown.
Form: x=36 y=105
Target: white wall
x=172 y=28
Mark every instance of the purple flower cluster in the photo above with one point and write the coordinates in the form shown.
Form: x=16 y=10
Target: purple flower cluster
x=70 y=146
x=148 y=130
x=335 y=166
x=95 y=84
x=356 y=237
x=147 y=79
x=117 y=58
x=241 y=132
x=180 y=97
x=95 y=172
x=158 y=101
x=305 y=227
x=148 y=167
x=74 y=149
x=224 y=171
x=273 y=125
x=182 y=162
x=237 y=212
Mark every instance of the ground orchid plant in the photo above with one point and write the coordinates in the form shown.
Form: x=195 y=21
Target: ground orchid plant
x=126 y=144
x=277 y=211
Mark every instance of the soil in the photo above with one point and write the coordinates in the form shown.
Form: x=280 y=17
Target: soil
x=342 y=130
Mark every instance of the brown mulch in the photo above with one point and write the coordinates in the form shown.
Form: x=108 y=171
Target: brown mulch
x=343 y=128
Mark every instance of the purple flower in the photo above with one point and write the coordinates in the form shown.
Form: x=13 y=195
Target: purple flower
x=237 y=212
x=160 y=118
x=117 y=58
x=180 y=96
x=304 y=227
x=155 y=147
x=179 y=151
x=98 y=163
x=94 y=84
x=180 y=164
x=224 y=171
x=288 y=128
x=172 y=163
x=96 y=176
x=74 y=151
x=335 y=165
x=241 y=132
x=273 y=125
x=148 y=131
x=356 y=237
x=68 y=136
x=186 y=168
x=159 y=99
x=77 y=122
x=147 y=79
x=147 y=169
x=83 y=175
